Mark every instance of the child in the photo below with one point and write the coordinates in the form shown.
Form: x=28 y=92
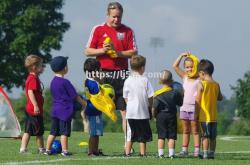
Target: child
x=164 y=110
x=138 y=94
x=63 y=97
x=34 y=106
x=94 y=116
x=188 y=113
x=207 y=96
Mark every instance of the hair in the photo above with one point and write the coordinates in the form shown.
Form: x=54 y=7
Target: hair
x=137 y=62
x=32 y=60
x=187 y=59
x=166 y=77
x=91 y=64
x=206 y=66
x=114 y=5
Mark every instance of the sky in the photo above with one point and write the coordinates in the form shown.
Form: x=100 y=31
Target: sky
x=211 y=29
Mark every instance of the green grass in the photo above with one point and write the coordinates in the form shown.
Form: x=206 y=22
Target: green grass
x=235 y=151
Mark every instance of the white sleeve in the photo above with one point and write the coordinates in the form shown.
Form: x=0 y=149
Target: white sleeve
x=150 y=89
x=125 y=90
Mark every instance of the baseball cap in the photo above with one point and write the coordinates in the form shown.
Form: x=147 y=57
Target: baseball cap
x=58 y=63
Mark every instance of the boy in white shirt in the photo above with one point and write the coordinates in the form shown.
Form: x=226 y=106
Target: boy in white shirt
x=138 y=94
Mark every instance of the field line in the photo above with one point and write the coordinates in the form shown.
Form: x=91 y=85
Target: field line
x=67 y=159
x=98 y=158
x=234 y=138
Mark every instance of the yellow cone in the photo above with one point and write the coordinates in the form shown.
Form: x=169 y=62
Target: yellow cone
x=83 y=143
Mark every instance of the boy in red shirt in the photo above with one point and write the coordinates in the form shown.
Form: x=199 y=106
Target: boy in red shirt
x=34 y=106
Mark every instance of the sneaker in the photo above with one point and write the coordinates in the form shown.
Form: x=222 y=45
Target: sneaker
x=127 y=155
x=171 y=157
x=160 y=156
x=100 y=153
x=92 y=154
x=47 y=152
x=41 y=151
x=183 y=153
x=25 y=151
x=201 y=156
x=142 y=155
x=132 y=151
x=63 y=153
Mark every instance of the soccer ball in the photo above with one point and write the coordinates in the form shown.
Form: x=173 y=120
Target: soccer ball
x=108 y=90
x=56 y=147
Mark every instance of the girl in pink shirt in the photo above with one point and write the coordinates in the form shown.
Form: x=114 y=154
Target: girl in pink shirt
x=188 y=113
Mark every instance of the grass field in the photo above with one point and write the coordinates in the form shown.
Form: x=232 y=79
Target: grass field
x=235 y=151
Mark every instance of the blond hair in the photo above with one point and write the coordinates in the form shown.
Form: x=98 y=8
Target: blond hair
x=137 y=62
x=32 y=60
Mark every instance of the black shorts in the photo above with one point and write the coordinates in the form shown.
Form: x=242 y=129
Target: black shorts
x=166 y=125
x=60 y=127
x=208 y=130
x=140 y=130
x=34 y=125
x=117 y=79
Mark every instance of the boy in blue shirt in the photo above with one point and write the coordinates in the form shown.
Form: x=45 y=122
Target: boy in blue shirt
x=92 y=87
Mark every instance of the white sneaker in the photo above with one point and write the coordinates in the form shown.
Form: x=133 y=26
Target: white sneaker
x=183 y=153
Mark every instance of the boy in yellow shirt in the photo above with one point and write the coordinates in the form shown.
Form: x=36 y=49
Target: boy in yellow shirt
x=207 y=96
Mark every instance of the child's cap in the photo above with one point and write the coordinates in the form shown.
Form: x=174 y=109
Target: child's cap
x=166 y=76
x=58 y=63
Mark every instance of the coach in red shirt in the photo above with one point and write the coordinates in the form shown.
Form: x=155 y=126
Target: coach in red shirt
x=122 y=42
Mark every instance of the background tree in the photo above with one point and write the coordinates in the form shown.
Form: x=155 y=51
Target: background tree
x=27 y=27
x=242 y=96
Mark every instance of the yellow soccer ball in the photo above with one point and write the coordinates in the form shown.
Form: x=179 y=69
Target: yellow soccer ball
x=108 y=90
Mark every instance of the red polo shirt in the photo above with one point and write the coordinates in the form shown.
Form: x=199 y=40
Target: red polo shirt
x=123 y=39
x=33 y=83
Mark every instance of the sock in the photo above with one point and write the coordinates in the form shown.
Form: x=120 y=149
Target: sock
x=64 y=151
x=184 y=148
x=160 y=152
x=171 y=152
x=205 y=152
x=196 y=149
x=41 y=149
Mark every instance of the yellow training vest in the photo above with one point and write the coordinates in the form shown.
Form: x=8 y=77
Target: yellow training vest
x=209 y=95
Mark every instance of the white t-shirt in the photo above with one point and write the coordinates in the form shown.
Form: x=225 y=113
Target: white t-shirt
x=137 y=89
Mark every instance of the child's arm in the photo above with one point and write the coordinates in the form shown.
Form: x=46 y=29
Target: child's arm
x=81 y=101
x=176 y=64
x=154 y=112
x=220 y=97
x=198 y=100
x=150 y=104
x=33 y=101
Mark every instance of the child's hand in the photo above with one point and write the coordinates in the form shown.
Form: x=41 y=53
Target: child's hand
x=36 y=110
x=185 y=54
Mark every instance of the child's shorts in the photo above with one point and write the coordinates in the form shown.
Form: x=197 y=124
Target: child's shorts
x=95 y=125
x=187 y=115
x=60 y=127
x=34 y=125
x=166 y=125
x=138 y=130
x=208 y=130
